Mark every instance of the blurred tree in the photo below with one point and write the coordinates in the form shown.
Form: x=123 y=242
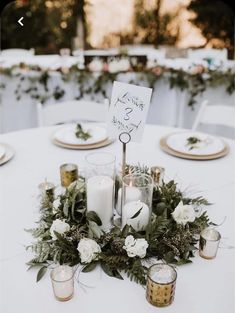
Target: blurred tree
x=48 y=25
x=216 y=22
x=153 y=27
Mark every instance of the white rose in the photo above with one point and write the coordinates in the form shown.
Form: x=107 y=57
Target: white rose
x=88 y=250
x=60 y=227
x=184 y=214
x=135 y=247
x=141 y=246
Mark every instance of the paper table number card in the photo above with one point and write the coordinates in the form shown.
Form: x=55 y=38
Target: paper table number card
x=128 y=110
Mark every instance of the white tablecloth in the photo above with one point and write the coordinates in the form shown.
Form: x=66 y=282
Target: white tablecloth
x=202 y=287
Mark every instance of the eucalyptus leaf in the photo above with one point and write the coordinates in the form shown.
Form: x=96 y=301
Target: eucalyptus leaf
x=136 y=214
x=92 y=216
x=90 y=267
x=41 y=273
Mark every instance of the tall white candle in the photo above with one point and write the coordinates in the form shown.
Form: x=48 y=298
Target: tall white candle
x=132 y=194
x=141 y=221
x=100 y=198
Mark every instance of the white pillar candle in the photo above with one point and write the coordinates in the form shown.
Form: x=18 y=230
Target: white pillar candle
x=100 y=198
x=132 y=194
x=141 y=221
x=62 y=282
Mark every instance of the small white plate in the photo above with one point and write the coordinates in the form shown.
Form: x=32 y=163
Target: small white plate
x=209 y=144
x=67 y=134
x=2 y=151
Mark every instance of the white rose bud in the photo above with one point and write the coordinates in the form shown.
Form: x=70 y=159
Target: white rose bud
x=60 y=227
x=88 y=250
x=184 y=214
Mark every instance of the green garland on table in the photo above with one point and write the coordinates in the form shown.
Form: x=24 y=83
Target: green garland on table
x=66 y=229
x=195 y=81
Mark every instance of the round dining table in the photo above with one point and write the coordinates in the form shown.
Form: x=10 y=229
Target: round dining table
x=203 y=286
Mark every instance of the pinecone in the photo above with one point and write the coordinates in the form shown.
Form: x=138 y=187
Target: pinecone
x=117 y=246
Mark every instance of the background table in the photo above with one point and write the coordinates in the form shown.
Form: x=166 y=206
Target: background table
x=204 y=286
x=169 y=106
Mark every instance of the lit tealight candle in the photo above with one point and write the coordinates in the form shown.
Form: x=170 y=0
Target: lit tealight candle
x=130 y=209
x=62 y=278
x=100 y=198
x=132 y=194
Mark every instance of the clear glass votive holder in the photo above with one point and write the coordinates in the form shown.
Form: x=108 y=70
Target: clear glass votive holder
x=135 y=199
x=68 y=174
x=62 y=278
x=209 y=243
x=161 y=283
x=100 y=183
x=157 y=174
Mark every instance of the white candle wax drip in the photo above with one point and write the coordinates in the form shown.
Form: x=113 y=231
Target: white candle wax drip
x=100 y=198
x=132 y=194
x=141 y=221
x=62 y=278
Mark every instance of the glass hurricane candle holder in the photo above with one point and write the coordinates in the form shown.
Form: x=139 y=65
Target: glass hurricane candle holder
x=209 y=243
x=62 y=278
x=161 y=283
x=135 y=200
x=68 y=174
x=100 y=178
x=157 y=174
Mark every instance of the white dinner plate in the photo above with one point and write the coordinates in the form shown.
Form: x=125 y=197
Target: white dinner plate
x=2 y=151
x=67 y=135
x=207 y=146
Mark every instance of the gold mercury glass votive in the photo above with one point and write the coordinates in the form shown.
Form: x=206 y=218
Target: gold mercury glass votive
x=157 y=174
x=209 y=243
x=68 y=174
x=161 y=283
x=62 y=278
x=47 y=189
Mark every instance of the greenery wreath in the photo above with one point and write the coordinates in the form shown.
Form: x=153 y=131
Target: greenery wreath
x=68 y=234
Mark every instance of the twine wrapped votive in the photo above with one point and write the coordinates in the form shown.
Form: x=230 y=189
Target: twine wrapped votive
x=68 y=174
x=161 y=284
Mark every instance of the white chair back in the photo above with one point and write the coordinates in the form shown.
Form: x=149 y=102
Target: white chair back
x=72 y=111
x=222 y=115
x=200 y=54
x=17 y=52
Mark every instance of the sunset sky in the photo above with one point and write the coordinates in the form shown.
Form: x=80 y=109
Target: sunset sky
x=107 y=16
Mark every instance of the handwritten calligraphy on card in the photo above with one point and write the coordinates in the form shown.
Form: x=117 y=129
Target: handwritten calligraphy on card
x=128 y=110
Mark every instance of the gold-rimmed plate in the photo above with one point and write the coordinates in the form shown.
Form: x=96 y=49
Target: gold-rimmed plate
x=167 y=149
x=98 y=145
